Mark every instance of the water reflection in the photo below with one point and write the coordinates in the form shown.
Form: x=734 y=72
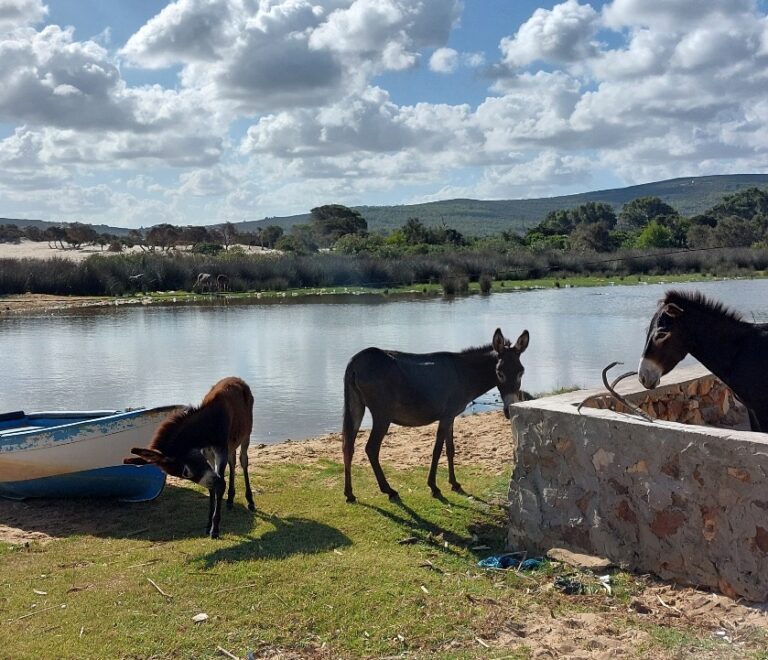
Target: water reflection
x=293 y=354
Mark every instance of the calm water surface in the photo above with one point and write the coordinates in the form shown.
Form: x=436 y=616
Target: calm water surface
x=293 y=354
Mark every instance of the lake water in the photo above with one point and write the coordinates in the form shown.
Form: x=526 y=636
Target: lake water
x=293 y=354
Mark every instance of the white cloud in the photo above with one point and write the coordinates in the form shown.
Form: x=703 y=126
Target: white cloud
x=184 y=31
x=289 y=53
x=206 y=182
x=672 y=16
x=444 y=60
x=643 y=88
x=18 y=13
x=561 y=35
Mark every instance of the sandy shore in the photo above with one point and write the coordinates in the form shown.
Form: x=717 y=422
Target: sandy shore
x=482 y=440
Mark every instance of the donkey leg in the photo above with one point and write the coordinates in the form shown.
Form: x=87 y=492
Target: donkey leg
x=372 y=448
x=217 y=493
x=353 y=417
x=244 y=465
x=211 y=507
x=440 y=437
x=449 y=452
x=217 y=498
x=231 y=489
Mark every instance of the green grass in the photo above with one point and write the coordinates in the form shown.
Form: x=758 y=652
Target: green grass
x=307 y=574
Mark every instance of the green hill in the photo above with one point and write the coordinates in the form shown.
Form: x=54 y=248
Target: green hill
x=477 y=217
x=470 y=216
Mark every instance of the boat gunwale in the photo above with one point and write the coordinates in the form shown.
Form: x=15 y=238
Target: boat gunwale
x=18 y=435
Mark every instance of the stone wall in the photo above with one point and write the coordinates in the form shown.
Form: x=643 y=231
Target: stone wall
x=698 y=399
x=685 y=502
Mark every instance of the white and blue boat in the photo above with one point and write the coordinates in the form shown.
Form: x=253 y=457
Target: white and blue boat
x=78 y=454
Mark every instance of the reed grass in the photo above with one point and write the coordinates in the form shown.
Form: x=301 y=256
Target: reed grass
x=112 y=275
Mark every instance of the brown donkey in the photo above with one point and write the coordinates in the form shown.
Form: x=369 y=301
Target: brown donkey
x=197 y=444
x=416 y=389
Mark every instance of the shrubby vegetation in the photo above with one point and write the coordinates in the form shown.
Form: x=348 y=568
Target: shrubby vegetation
x=335 y=249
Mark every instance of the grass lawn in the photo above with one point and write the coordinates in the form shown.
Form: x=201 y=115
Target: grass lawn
x=307 y=575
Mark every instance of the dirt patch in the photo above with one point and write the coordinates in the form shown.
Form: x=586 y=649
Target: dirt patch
x=27 y=249
x=611 y=631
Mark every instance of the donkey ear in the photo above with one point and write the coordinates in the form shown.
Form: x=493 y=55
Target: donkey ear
x=522 y=342
x=144 y=456
x=672 y=310
x=498 y=343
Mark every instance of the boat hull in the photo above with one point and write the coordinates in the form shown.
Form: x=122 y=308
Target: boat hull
x=82 y=458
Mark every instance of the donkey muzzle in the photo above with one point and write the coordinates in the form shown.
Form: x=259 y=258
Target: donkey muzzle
x=648 y=373
x=509 y=399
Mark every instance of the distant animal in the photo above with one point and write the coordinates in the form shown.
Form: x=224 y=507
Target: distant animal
x=197 y=444
x=136 y=281
x=204 y=282
x=733 y=349
x=222 y=282
x=416 y=389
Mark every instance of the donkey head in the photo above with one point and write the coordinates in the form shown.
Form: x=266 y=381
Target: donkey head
x=191 y=465
x=665 y=344
x=509 y=370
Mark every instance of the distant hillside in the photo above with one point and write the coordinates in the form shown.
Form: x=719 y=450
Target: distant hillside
x=688 y=195
x=44 y=224
x=476 y=217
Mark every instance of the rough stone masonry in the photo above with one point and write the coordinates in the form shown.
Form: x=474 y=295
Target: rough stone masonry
x=683 y=501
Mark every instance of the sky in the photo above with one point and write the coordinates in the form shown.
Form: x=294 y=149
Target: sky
x=133 y=113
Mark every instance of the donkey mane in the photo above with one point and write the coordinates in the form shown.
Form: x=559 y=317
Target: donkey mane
x=700 y=302
x=486 y=348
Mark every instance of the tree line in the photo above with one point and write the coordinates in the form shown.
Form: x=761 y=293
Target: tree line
x=738 y=220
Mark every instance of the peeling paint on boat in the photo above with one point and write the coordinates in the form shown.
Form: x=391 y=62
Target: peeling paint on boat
x=57 y=454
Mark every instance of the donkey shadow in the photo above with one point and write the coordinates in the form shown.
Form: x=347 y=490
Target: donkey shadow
x=422 y=529
x=290 y=536
x=176 y=514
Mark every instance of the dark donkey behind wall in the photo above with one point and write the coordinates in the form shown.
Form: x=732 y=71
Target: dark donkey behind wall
x=416 y=389
x=732 y=349
x=187 y=440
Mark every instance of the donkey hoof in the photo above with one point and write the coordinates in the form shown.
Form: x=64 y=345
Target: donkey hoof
x=456 y=488
x=351 y=499
x=251 y=506
x=214 y=534
x=394 y=496
x=436 y=492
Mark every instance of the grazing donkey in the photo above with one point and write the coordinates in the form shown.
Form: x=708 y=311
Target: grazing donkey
x=416 y=389
x=222 y=282
x=197 y=444
x=204 y=282
x=733 y=349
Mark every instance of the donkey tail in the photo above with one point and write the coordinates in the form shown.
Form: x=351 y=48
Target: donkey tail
x=354 y=408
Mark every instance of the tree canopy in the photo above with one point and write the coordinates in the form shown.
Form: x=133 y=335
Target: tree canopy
x=332 y=221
